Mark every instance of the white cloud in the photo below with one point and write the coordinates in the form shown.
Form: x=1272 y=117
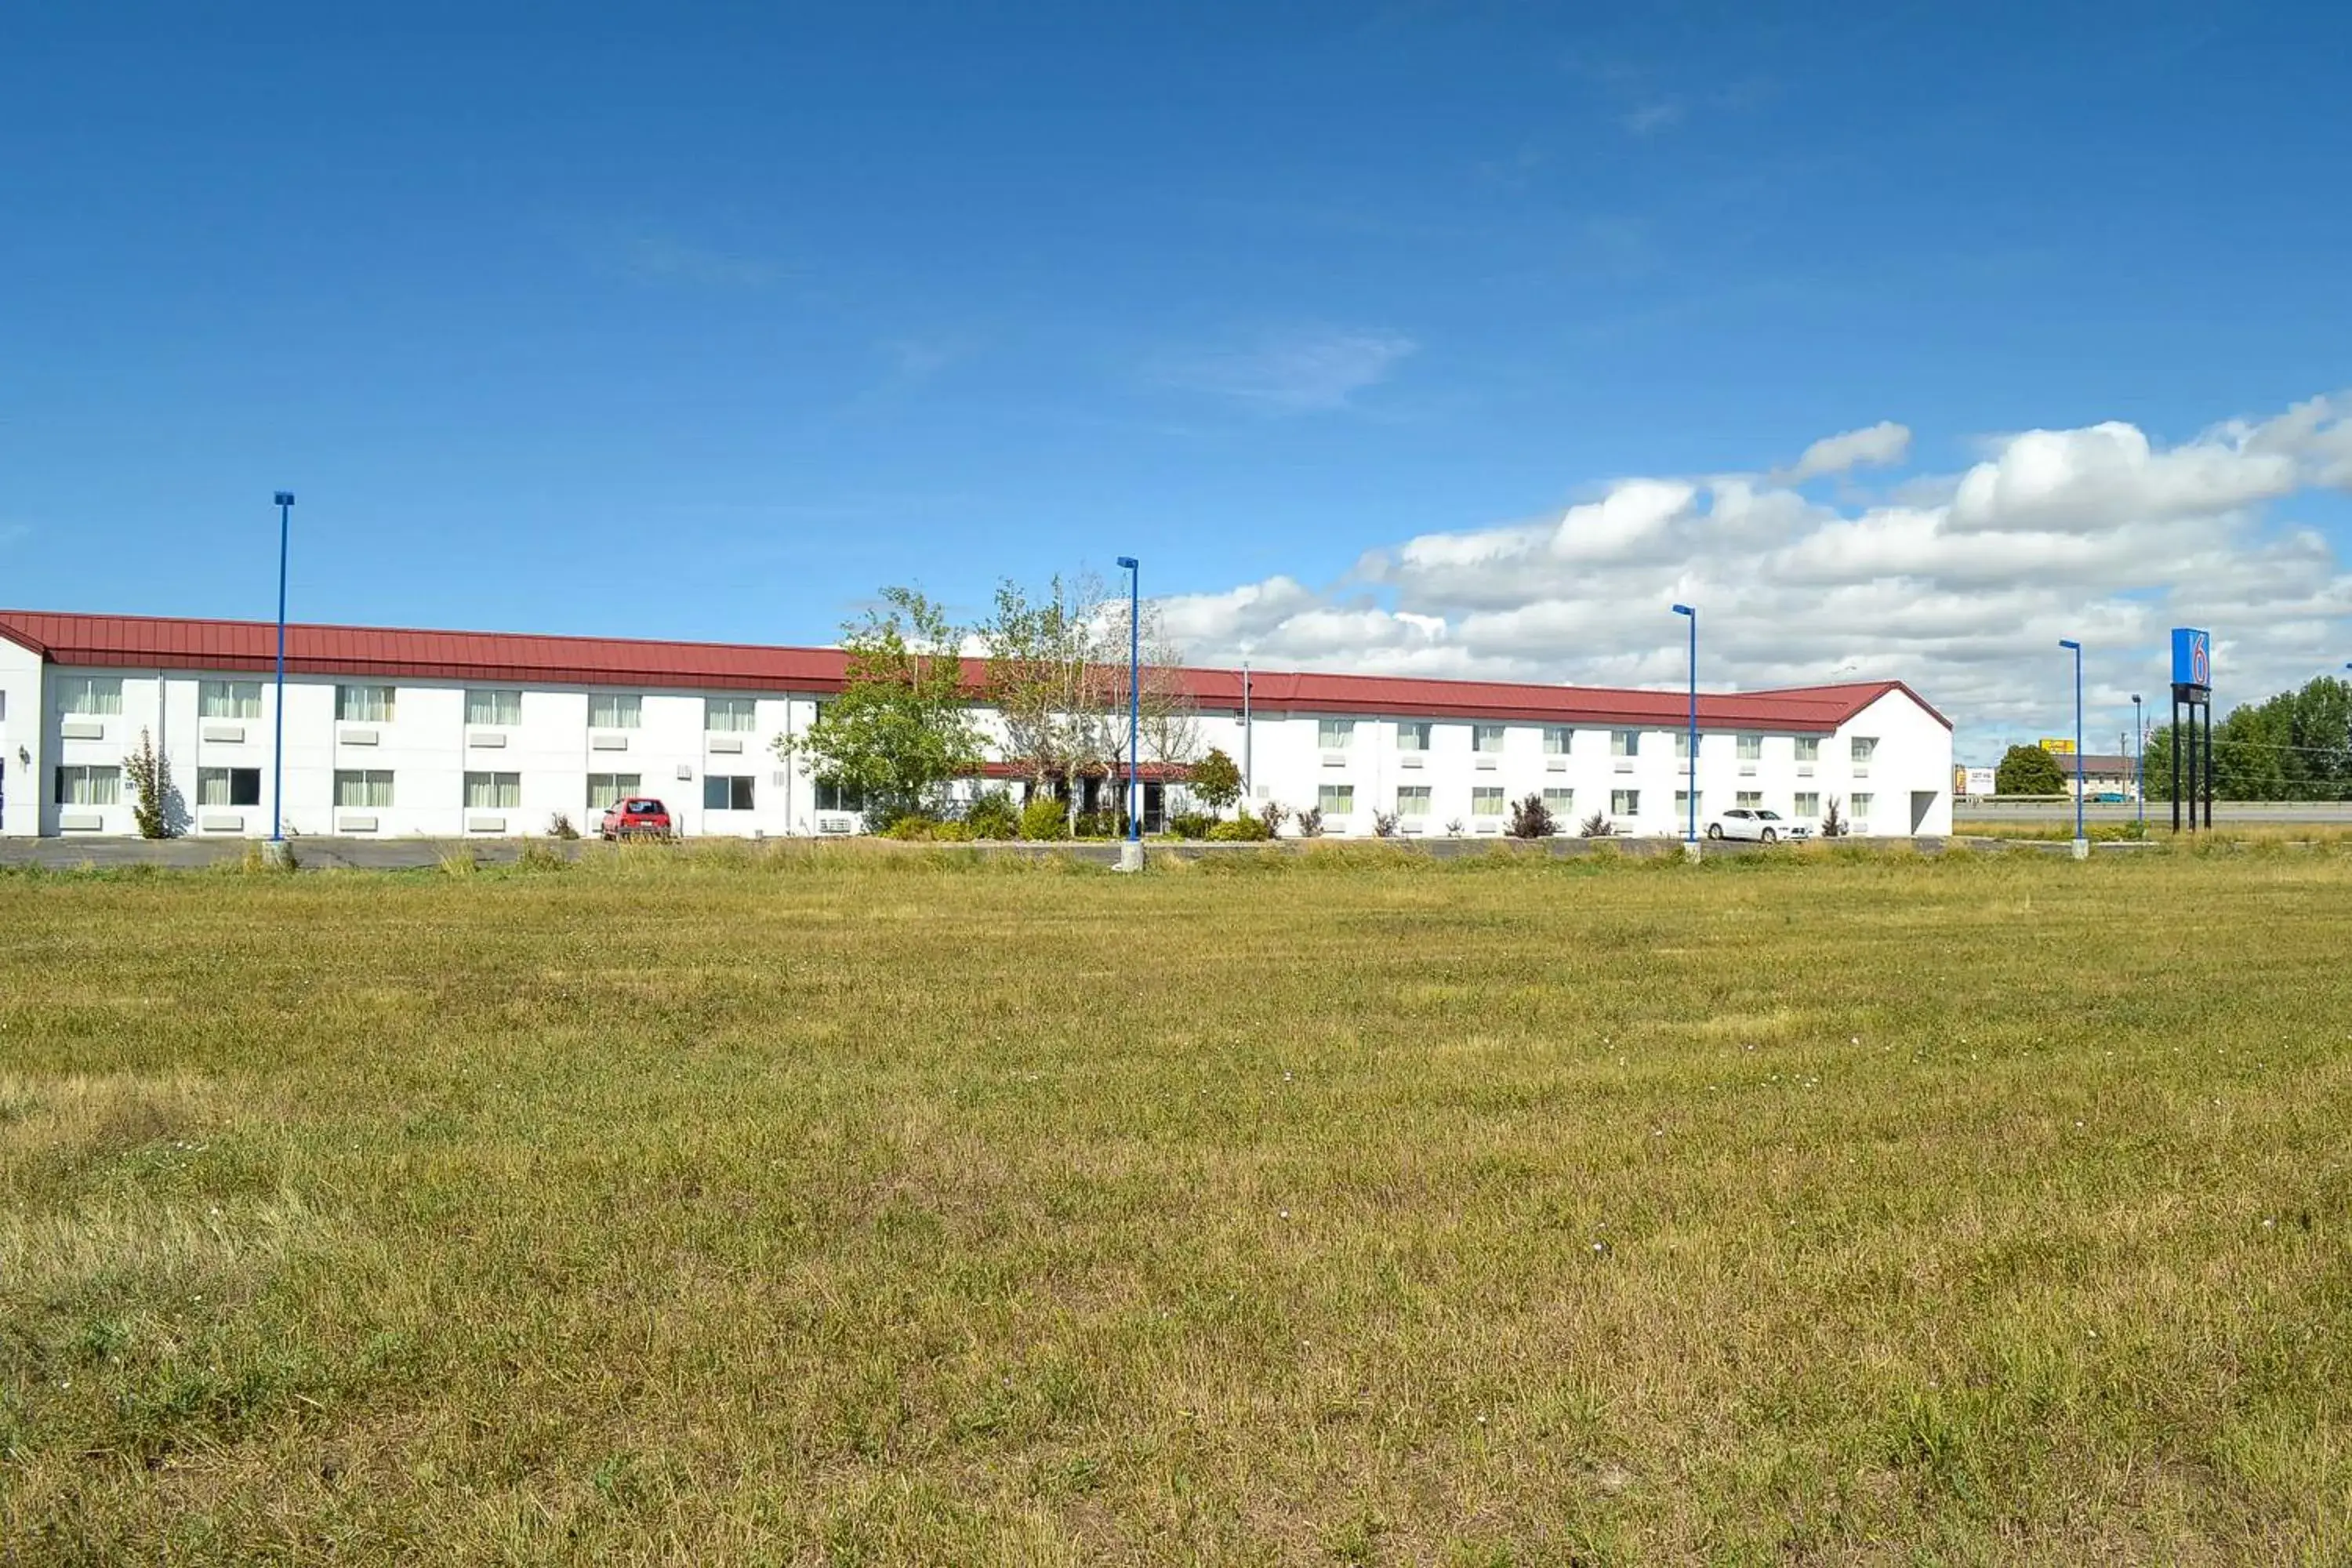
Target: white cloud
x=1962 y=588
x=663 y=258
x=1877 y=446
x=1291 y=372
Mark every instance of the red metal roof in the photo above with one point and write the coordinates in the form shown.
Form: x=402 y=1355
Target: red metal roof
x=149 y=642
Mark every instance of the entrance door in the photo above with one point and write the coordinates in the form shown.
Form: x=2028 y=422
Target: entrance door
x=1922 y=801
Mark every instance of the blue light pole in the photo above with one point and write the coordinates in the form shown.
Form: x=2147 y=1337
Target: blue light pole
x=1134 y=696
x=277 y=745
x=2082 y=840
x=1691 y=790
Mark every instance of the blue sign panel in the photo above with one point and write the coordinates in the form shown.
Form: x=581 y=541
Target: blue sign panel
x=2193 y=657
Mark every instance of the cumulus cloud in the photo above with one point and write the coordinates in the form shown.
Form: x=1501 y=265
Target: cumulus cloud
x=1962 y=588
x=1878 y=447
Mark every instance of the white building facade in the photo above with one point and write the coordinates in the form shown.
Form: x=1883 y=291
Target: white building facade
x=394 y=733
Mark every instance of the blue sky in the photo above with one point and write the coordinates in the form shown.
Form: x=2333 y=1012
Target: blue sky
x=705 y=321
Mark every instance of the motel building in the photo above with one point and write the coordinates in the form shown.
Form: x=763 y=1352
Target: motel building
x=394 y=733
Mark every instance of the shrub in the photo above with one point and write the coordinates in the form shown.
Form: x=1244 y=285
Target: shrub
x=1043 y=818
x=2029 y=770
x=538 y=856
x=1531 y=818
x=1597 y=825
x=150 y=772
x=1242 y=829
x=1098 y=825
x=1453 y=827
x=560 y=826
x=1384 y=824
x=1273 y=813
x=1310 y=821
x=992 y=814
x=1832 y=821
x=1215 y=782
x=1192 y=824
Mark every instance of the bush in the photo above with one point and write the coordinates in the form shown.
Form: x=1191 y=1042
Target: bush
x=1531 y=818
x=1043 y=818
x=992 y=814
x=1243 y=829
x=2029 y=770
x=1453 y=827
x=1384 y=824
x=560 y=826
x=914 y=829
x=538 y=856
x=1192 y=824
x=1273 y=815
x=1098 y=825
x=1832 y=821
x=1598 y=825
x=154 y=806
x=1215 y=782
x=1310 y=821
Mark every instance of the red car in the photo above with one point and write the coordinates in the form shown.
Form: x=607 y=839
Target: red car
x=639 y=817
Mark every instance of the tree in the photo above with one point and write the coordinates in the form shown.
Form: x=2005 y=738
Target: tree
x=2029 y=770
x=901 y=728
x=158 y=809
x=1531 y=818
x=1216 y=783
x=2296 y=745
x=1039 y=653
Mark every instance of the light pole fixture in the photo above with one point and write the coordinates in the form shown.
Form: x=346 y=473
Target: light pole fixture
x=285 y=503
x=2082 y=840
x=1691 y=788
x=1134 y=699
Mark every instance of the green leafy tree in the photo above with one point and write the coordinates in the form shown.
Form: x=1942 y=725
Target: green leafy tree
x=2296 y=745
x=902 y=727
x=1215 y=782
x=156 y=806
x=2029 y=770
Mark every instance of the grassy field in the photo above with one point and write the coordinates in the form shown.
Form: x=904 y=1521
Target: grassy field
x=861 y=1208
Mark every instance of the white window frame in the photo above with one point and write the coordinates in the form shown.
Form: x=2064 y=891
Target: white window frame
x=1558 y=740
x=1863 y=747
x=1334 y=734
x=89 y=696
x=493 y=791
x=622 y=786
x=621 y=710
x=1747 y=799
x=731 y=710
x=226 y=779
x=493 y=706
x=229 y=700
x=87 y=784
x=1808 y=804
x=1809 y=748
x=1415 y=734
x=1413 y=800
x=1488 y=739
x=1625 y=743
x=1751 y=749
x=375 y=787
x=1496 y=792
x=1624 y=803
x=367 y=704
x=1559 y=802
x=1336 y=799
x=730 y=781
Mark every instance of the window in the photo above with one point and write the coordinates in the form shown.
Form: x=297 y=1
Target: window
x=1809 y=748
x=608 y=790
x=1334 y=734
x=833 y=797
x=1809 y=805
x=1682 y=805
x=363 y=704
x=92 y=694
x=89 y=786
x=1561 y=803
x=1751 y=748
x=1625 y=743
x=1336 y=800
x=616 y=710
x=1864 y=745
x=1682 y=745
x=493 y=792
x=1412 y=735
x=729 y=715
x=228 y=786
x=722 y=792
x=1556 y=739
x=1624 y=803
x=1486 y=800
x=1413 y=800
x=1486 y=738
x=229 y=700
x=361 y=788
x=499 y=709
x=1860 y=812
x=1749 y=799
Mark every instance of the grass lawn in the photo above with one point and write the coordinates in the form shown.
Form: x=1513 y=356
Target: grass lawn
x=863 y=1208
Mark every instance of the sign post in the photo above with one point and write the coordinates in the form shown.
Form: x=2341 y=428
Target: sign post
x=2192 y=692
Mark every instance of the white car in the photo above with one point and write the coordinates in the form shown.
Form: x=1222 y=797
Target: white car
x=1758 y=825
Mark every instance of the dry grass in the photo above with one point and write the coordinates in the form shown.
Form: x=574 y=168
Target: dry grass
x=824 y=1207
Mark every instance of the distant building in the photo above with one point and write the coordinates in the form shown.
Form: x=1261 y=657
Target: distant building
x=409 y=733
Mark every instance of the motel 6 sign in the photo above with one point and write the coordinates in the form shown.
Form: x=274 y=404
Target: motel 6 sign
x=2192 y=658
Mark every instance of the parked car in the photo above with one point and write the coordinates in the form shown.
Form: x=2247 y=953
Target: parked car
x=639 y=817
x=1757 y=824
x=2109 y=797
